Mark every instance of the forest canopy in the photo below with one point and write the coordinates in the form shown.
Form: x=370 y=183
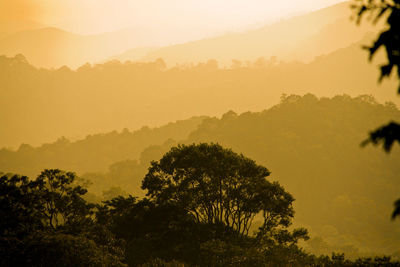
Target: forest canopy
x=63 y=229
x=138 y=93
x=119 y=231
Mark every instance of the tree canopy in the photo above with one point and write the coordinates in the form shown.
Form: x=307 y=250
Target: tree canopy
x=218 y=186
x=162 y=230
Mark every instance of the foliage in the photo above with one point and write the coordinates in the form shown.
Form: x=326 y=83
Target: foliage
x=97 y=152
x=46 y=222
x=20 y=207
x=67 y=250
x=63 y=205
x=224 y=192
x=389 y=39
x=180 y=92
x=217 y=186
x=151 y=231
x=328 y=172
x=386 y=135
x=160 y=263
x=126 y=231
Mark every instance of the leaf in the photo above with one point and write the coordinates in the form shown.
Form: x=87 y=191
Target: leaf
x=396 y=211
x=387 y=135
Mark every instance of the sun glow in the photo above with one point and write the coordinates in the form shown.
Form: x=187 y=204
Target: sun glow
x=184 y=16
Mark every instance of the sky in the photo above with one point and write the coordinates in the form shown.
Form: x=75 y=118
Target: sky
x=206 y=17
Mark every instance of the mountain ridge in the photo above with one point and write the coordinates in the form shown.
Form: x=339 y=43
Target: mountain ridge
x=59 y=47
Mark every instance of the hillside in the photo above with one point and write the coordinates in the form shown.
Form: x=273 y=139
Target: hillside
x=49 y=47
x=134 y=54
x=300 y=38
x=344 y=193
x=112 y=95
x=93 y=153
x=192 y=133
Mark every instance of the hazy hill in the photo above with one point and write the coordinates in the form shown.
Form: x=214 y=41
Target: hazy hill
x=298 y=38
x=134 y=54
x=46 y=47
x=53 y=47
x=95 y=152
x=39 y=105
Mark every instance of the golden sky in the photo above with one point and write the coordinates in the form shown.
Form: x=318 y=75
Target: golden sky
x=206 y=17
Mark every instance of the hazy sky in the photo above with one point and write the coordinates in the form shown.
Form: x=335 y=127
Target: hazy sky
x=204 y=16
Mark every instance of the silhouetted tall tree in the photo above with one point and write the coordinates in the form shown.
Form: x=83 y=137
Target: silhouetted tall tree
x=217 y=186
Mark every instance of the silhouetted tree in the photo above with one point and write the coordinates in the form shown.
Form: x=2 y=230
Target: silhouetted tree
x=46 y=222
x=20 y=206
x=62 y=202
x=218 y=186
x=151 y=231
x=225 y=191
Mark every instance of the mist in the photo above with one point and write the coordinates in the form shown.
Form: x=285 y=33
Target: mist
x=186 y=133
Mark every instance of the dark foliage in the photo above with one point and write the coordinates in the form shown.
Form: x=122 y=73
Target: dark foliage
x=389 y=39
x=386 y=135
x=46 y=221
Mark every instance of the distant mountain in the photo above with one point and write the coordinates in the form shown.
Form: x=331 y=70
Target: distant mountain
x=46 y=47
x=112 y=95
x=135 y=54
x=53 y=47
x=94 y=152
x=299 y=38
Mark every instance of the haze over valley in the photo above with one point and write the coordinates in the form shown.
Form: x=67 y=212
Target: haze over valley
x=179 y=133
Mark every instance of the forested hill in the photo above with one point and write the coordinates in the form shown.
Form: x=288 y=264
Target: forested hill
x=93 y=153
x=114 y=95
x=344 y=193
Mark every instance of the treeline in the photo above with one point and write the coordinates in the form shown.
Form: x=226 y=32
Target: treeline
x=94 y=152
x=200 y=205
x=114 y=95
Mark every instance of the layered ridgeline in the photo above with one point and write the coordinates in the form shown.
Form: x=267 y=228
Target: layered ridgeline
x=114 y=95
x=95 y=152
x=297 y=38
x=318 y=52
x=344 y=193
